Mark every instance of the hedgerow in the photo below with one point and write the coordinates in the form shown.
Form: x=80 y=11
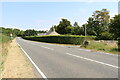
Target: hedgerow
x=62 y=39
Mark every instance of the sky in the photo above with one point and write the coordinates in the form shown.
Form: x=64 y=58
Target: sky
x=43 y=15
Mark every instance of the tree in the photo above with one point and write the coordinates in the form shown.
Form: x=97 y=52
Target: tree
x=63 y=26
x=77 y=30
x=75 y=24
x=69 y=29
x=52 y=28
x=91 y=30
x=16 y=31
x=98 y=23
x=115 y=26
x=30 y=32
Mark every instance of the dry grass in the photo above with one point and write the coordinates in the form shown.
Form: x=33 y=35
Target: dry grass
x=3 y=54
x=16 y=64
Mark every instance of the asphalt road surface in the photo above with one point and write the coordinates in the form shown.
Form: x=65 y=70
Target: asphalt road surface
x=59 y=61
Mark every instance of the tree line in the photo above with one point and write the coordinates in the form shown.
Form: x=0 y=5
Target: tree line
x=18 y=32
x=99 y=25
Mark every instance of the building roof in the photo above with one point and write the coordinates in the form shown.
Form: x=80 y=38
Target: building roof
x=52 y=33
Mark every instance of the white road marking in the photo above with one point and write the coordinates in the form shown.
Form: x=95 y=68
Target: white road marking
x=47 y=48
x=40 y=72
x=85 y=50
x=99 y=52
x=108 y=53
x=93 y=60
x=43 y=46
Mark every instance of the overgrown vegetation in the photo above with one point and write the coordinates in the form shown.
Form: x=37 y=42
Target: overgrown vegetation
x=62 y=39
x=4 y=38
x=103 y=46
x=4 y=43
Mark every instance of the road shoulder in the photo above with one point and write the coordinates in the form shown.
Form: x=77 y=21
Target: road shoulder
x=16 y=65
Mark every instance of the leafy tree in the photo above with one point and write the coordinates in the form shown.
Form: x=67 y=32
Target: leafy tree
x=77 y=30
x=8 y=31
x=91 y=30
x=103 y=18
x=16 y=31
x=30 y=32
x=41 y=31
x=98 y=23
x=115 y=26
x=75 y=24
x=106 y=36
x=69 y=29
x=52 y=28
x=63 y=26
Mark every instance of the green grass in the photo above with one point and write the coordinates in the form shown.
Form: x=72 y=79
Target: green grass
x=101 y=46
x=4 y=38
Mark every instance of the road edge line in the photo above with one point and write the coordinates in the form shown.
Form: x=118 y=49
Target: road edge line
x=40 y=72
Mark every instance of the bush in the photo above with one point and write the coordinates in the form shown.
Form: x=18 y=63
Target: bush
x=62 y=39
x=105 y=36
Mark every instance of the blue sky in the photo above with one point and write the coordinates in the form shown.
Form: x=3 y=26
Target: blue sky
x=42 y=15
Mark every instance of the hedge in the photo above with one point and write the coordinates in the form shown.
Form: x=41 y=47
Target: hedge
x=62 y=39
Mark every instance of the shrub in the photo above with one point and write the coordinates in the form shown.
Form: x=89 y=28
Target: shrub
x=105 y=36
x=62 y=39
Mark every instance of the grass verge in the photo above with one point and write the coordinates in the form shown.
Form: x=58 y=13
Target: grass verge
x=4 y=43
x=102 y=46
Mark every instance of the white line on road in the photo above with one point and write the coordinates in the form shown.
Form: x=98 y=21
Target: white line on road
x=108 y=53
x=92 y=60
x=99 y=52
x=43 y=46
x=40 y=72
x=47 y=48
x=85 y=50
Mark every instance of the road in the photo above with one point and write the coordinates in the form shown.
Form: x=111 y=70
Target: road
x=60 y=61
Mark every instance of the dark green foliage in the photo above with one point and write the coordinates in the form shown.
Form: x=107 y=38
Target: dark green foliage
x=62 y=39
x=115 y=26
x=98 y=23
x=64 y=27
x=30 y=32
x=105 y=36
x=7 y=31
x=77 y=30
